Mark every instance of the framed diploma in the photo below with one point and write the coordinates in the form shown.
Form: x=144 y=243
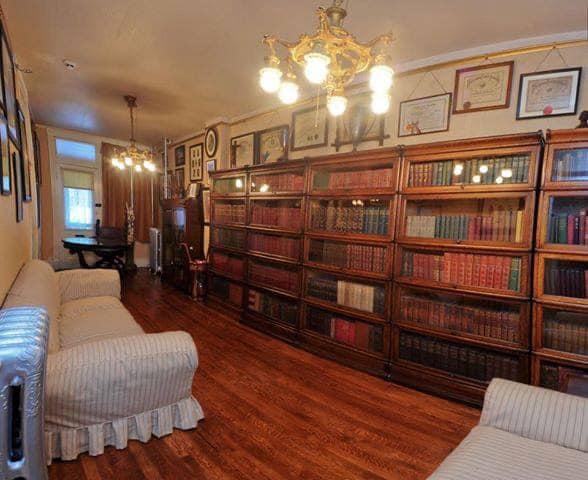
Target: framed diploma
x=549 y=94
x=243 y=150
x=310 y=128
x=485 y=87
x=424 y=115
x=273 y=144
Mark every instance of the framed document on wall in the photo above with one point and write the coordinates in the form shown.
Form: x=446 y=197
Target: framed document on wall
x=196 y=158
x=485 y=87
x=424 y=115
x=310 y=128
x=549 y=94
x=243 y=150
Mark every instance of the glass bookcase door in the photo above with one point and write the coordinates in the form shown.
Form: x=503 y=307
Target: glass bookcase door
x=279 y=182
x=345 y=330
x=564 y=331
x=371 y=259
x=551 y=375
x=336 y=178
x=361 y=295
x=361 y=216
x=227 y=212
x=226 y=290
x=227 y=263
x=569 y=164
x=566 y=278
x=491 y=220
x=284 y=213
x=566 y=220
x=273 y=306
x=275 y=275
x=276 y=245
x=229 y=186
x=478 y=171
x=500 y=321
x=228 y=238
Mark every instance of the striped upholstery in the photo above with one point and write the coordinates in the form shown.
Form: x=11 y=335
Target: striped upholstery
x=79 y=283
x=537 y=413
x=524 y=433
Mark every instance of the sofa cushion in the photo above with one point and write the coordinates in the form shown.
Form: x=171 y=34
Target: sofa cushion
x=36 y=285
x=491 y=454
x=95 y=318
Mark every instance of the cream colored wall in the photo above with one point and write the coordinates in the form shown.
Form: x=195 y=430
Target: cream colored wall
x=477 y=124
x=18 y=241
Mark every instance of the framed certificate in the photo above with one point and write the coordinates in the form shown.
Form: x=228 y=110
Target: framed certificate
x=424 y=115
x=485 y=87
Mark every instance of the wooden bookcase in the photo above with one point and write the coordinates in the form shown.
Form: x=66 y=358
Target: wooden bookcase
x=463 y=265
x=560 y=320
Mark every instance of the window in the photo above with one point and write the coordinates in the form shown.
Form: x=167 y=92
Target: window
x=78 y=200
x=73 y=150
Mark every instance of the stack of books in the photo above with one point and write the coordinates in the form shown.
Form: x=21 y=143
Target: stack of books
x=566 y=331
x=276 y=214
x=334 y=216
x=274 y=245
x=225 y=212
x=568 y=279
x=265 y=274
x=571 y=229
x=377 y=178
x=368 y=258
x=273 y=306
x=368 y=298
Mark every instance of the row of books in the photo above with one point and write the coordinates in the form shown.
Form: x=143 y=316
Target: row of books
x=467 y=361
x=367 y=258
x=226 y=263
x=368 y=298
x=501 y=226
x=276 y=215
x=223 y=237
x=361 y=218
x=569 y=229
x=271 y=276
x=483 y=171
x=467 y=269
x=568 y=280
x=377 y=178
x=273 y=307
x=275 y=245
x=350 y=332
x=567 y=332
x=570 y=164
x=228 y=212
x=227 y=290
x=278 y=182
x=485 y=321
x=229 y=185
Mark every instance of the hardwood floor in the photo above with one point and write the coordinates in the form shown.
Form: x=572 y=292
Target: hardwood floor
x=277 y=412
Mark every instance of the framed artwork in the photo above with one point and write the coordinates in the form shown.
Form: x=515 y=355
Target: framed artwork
x=549 y=94
x=5 y=160
x=25 y=162
x=243 y=150
x=17 y=170
x=424 y=115
x=180 y=179
x=211 y=141
x=210 y=167
x=273 y=144
x=206 y=205
x=359 y=124
x=196 y=157
x=180 y=155
x=37 y=157
x=485 y=87
x=9 y=90
x=310 y=128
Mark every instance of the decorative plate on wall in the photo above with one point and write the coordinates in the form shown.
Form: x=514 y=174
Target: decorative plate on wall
x=211 y=141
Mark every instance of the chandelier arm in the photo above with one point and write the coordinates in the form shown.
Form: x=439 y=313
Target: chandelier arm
x=386 y=39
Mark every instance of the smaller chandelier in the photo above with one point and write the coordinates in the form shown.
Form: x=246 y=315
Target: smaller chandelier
x=330 y=58
x=133 y=157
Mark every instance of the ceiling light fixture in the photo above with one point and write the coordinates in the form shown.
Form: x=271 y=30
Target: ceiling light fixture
x=331 y=58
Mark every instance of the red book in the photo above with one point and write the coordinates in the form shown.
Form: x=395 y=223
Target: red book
x=454 y=267
x=446 y=268
x=483 y=275
x=461 y=268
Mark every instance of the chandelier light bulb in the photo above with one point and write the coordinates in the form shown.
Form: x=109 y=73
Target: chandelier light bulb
x=121 y=166
x=288 y=92
x=114 y=161
x=380 y=102
x=128 y=161
x=316 y=67
x=336 y=104
x=270 y=79
x=381 y=78
x=138 y=168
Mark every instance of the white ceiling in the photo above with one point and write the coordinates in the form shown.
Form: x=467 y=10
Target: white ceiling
x=189 y=61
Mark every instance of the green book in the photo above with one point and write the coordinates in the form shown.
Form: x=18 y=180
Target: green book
x=515 y=273
x=562 y=228
x=438 y=220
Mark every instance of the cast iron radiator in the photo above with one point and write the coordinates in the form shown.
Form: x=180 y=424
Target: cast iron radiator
x=24 y=333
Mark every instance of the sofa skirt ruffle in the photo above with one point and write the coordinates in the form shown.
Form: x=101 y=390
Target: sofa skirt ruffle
x=68 y=443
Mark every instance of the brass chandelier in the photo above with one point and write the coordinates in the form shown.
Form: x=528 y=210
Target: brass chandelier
x=330 y=58
x=133 y=157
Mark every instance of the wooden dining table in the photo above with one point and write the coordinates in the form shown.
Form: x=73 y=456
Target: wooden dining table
x=110 y=251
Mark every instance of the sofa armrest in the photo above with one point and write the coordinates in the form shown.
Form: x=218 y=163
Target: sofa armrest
x=116 y=378
x=83 y=283
x=537 y=413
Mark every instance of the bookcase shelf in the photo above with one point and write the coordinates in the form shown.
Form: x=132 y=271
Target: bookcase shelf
x=229 y=212
x=229 y=185
x=226 y=291
x=277 y=245
x=490 y=220
x=566 y=160
x=229 y=238
x=274 y=275
x=284 y=214
x=561 y=278
x=287 y=181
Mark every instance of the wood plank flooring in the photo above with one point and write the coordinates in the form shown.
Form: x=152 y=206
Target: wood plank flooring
x=276 y=412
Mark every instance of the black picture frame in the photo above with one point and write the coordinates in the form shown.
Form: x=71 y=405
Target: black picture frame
x=211 y=142
x=180 y=155
x=9 y=89
x=5 y=160
x=27 y=195
x=17 y=181
x=283 y=132
x=523 y=89
x=196 y=170
x=235 y=145
x=320 y=143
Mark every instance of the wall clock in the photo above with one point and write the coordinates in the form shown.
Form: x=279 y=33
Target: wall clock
x=211 y=141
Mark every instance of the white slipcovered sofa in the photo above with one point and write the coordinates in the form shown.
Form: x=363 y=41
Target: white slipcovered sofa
x=524 y=433
x=107 y=381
